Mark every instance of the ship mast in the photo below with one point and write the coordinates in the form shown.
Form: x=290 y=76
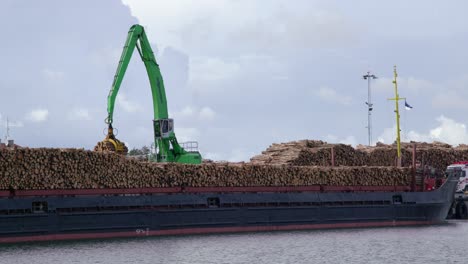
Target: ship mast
x=397 y=113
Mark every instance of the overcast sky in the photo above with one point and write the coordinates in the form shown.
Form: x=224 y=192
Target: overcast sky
x=239 y=75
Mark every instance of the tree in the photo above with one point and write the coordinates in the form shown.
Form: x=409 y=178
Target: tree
x=135 y=152
x=139 y=152
x=145 y=150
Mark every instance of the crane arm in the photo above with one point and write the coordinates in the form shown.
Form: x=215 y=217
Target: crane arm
x=137 y=38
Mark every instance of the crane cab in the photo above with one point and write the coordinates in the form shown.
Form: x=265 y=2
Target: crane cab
x=163 y=128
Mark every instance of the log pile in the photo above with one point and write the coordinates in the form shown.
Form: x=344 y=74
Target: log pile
x=79 y=169
x=106 y=146
x=318 y=153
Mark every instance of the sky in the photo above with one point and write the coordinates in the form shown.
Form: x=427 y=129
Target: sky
x=239 y=74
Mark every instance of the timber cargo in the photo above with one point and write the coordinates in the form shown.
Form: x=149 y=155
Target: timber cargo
x=56 y=194
x=320 y=153
x=26 y=169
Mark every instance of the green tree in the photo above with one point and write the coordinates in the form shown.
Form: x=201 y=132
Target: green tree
x=145 y=150
x=135 y=152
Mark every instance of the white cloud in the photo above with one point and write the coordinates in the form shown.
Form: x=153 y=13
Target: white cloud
x=38 y=115
x=349 y=140
x=206 y=113
x=445 y=95
x=449 y=99
x=185 y=134
x=198 y=26
x=235 y=155
x=15 y=123
x=330 y=95
x=192 y=112
x=127 y=105
x=405 y=84
x=142 y=135
x=212 y=156
x=11 y=123
x=238 y=154
x=448 y=131
x=211 y=69
x=388 y=135
x=79 y=114
x=53 y=75
x=186 y=112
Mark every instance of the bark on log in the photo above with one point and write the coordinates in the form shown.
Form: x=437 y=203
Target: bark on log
x=318 y=153
x=76 y=168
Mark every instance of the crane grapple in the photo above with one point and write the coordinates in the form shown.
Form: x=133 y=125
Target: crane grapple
x=111 y=143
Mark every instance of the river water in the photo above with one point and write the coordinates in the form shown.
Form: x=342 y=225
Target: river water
x=434 y=244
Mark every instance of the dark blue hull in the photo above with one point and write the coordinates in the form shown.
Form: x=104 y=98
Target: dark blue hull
x=76 y=217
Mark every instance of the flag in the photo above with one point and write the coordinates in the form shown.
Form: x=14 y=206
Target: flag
x=407 y=106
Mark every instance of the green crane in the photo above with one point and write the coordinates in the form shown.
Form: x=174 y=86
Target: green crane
x=165 y=141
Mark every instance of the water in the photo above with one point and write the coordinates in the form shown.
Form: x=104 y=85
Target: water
x=435 y=244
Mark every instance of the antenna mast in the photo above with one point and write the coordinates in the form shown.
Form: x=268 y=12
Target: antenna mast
x=369 y=104
x=7 y=135
x=8 y=130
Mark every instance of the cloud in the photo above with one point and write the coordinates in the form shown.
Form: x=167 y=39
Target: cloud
x=212 y=156
x=206 y=71
x=142 y=134
x=211 y=69
x=240 y=154
x=206 y=113
x=11 y=123
x=53 y=75
x=192 y=112
x=444 y=95
x=15 y=123
x=388 y=135
x=187 y=111
x=38 y=115
x=448 y=131
x=127 y=105
x=330 y=95
x=411 y=84
x=235 y=155
x=79 y=114
x=185 y=134
x=206 y=26
x=449 y=99
x=349 y=140
x=256 y=64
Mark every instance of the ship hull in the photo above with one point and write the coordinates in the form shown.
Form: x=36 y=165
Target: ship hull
x=47 y=218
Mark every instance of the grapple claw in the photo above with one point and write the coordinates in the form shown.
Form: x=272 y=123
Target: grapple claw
x=111 y=143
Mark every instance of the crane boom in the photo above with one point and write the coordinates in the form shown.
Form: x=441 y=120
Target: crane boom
x=137 y=38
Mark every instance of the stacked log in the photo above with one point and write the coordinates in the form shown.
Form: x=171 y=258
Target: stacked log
x=107 y=146
x=25 y=169
x=318 y=153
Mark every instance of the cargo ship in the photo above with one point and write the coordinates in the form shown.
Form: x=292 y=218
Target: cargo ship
x=46 y=215
x=54 y=194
